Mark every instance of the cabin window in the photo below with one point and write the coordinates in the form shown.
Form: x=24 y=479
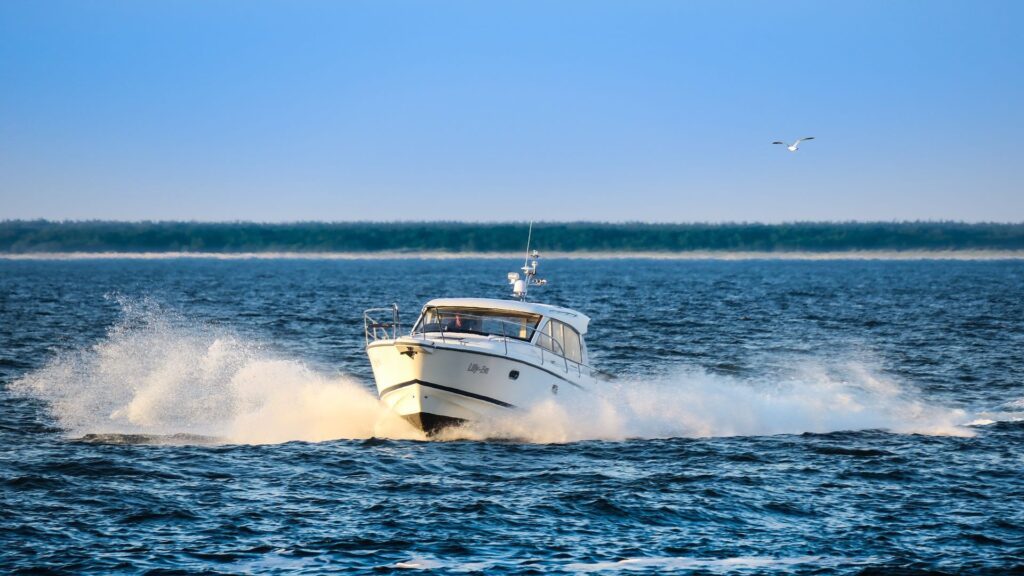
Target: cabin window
x=547 y=339
x=519 y=325
x=561 y=339
x=571 y=343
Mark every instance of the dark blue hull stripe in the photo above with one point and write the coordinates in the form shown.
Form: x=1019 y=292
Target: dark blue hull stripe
x=495 y=401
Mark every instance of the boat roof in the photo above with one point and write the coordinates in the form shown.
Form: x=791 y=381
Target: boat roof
x=573 y=318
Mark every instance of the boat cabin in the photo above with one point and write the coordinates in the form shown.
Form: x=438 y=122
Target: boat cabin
x=553 y=328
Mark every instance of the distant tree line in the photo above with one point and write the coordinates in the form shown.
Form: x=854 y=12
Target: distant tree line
x=26 y=236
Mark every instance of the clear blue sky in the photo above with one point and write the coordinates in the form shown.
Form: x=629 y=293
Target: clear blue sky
x=630 y=110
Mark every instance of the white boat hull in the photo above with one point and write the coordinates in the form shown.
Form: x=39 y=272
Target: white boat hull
x=434 y=385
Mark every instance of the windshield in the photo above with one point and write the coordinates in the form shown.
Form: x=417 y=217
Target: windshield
x=478 y=321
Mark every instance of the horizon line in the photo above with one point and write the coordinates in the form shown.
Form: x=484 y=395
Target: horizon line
x=518 y=222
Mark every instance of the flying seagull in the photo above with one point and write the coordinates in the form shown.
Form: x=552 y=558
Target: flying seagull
x=792 y=147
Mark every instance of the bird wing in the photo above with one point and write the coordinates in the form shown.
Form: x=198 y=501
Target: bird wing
x=777 y=142
x=807 y=138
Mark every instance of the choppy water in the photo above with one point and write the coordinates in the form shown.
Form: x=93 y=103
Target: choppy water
x=784 y=417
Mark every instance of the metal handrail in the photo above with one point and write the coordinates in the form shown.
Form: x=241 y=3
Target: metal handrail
x=373 y=328
x=560 y=352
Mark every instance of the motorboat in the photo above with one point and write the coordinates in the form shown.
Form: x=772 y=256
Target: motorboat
x=471 y=359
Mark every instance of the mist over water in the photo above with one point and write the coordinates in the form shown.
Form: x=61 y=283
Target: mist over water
x=156 y=373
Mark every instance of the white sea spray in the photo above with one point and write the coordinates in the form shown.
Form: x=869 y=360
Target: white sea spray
x=691 y=402
x=155 y=373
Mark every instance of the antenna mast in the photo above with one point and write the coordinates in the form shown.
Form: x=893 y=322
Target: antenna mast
x=529 y=237
x=521 y=285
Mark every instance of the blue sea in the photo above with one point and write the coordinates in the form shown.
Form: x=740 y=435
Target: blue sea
x=173 y=416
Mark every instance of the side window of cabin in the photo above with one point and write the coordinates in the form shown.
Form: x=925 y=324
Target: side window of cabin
x=571 y=343
x=556 y=334
x=561 y=339
x=545 y=340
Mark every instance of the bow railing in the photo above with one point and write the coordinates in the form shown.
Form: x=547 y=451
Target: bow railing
x=376 y=329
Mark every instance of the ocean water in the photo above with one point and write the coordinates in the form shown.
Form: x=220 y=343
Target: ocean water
x=217 y=417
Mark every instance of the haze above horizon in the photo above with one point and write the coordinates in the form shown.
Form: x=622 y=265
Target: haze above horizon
x=610 y=111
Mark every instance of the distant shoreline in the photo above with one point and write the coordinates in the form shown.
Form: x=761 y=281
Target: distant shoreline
x=349 y=240
x=725 y=255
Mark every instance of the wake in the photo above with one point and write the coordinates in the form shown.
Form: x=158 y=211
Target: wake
x=156 y=378
x=696 y=404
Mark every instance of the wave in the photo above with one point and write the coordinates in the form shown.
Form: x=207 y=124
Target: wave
x=158 y=378
x=1012 y=411
x=648 y=564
